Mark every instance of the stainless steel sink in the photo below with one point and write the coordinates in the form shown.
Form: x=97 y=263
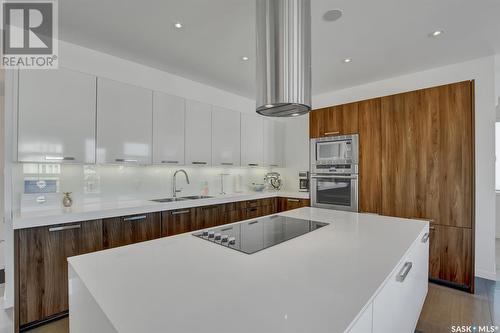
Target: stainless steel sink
x=169 y=199
x=192 y=197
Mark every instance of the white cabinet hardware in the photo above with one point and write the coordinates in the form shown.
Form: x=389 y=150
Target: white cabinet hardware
x=168 y=129
x=198 y=133
x=56 y=116
x=225 y=137
x=124 y=122
x=404 y=271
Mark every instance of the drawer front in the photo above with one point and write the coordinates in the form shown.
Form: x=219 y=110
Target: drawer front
x=119 y=231
x=404 y=293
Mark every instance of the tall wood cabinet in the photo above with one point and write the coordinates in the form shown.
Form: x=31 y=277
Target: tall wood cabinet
x=417 y=161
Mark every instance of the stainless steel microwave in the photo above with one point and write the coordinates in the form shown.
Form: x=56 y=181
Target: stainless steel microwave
x=335 y=150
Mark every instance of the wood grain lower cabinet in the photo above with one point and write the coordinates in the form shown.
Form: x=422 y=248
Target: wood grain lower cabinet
x=450 y=256
x=209 y=216
x=174 y=222
x=125 y=230
x=42 y=269
x=292 y=203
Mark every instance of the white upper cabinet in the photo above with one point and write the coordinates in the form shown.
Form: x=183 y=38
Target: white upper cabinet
x=124 y=123
x=252 y=142
x=274 y=142
x=56 y=120
x=168 y=129
x=225 y=137
x=198 y=133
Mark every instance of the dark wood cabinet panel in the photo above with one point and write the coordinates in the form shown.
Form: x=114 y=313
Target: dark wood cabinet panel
x=42 y=268
x=292 y=203
x=450 y=255
x=316 y=123
x=370 y=151
x=174 y=222
x=120 y=231
x=209 y=216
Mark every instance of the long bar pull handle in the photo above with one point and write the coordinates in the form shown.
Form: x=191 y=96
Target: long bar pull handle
x=59 y=158
x=403 y=273
x=126 y=160
x=170 y=162
x=180 y=212
x=292 y=200
x=332 y=133
x=227 y=163
x=253 y=164
x=197 y=162
x=425 y=238
x=135 y=218
x=66 y=227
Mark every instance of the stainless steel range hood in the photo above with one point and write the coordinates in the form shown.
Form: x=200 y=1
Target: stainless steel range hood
x=283 y=57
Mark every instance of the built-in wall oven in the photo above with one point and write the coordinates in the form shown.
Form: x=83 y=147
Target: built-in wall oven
x=334 y=172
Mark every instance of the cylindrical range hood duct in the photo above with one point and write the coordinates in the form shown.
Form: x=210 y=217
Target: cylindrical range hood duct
x=283 y=57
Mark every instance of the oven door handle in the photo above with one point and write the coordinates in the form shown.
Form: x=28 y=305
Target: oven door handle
x=334 y=177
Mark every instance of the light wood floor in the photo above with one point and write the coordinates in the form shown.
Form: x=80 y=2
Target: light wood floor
x=443 y=307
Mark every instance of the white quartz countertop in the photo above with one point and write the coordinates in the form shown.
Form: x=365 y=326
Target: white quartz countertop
x=105 y=209
x=318 y=282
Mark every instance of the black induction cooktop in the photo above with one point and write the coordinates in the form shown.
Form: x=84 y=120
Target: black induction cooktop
x=253 y=236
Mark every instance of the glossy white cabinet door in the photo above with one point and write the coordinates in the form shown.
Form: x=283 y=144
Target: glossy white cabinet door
x=252 y=140
x=124 y=123
x=198 y=133
x=225 y=137
x=274 y=141
x=56 y=116
x=397 y=307
x=168 y=129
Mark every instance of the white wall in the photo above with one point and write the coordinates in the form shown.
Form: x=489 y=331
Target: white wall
x=481 y=70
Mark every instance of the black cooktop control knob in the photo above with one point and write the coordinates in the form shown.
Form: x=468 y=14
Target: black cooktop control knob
x=211 y=234
x=232 y=240
x=205 y=233
x=217 y=236
x=224 y=238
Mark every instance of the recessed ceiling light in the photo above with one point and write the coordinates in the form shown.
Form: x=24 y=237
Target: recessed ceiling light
x=245 y=58
x=332 y=15
x=269 y=105
x=178 y=25
x=436 y=33
x=347 y=60
x=295 y=114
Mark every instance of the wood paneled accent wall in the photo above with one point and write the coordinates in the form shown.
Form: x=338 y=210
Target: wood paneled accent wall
x=417 y=161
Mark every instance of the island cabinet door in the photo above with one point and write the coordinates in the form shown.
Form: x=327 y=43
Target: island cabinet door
x=174 y=222
x=405 y=291
x=42 y=267
x=119 y=231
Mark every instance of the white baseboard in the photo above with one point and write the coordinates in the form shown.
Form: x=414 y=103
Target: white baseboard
x=486 y=274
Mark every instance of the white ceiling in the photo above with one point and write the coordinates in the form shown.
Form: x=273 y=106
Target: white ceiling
x=384 y=38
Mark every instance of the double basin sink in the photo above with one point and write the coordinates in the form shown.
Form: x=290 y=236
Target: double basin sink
x=189 y=197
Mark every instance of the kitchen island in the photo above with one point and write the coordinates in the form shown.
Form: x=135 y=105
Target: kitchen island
x=360 y=273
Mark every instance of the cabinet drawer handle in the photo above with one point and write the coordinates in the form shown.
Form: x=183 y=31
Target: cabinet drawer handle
x=126 y=160
x=135 y=218
x=332 y=133
x=197 y=162
x=252 y=209
x=178 y=212
x=292 y=200
x=66 y=227
x=227 y=163
x=425 y=238
x=253 y=164
x=253 y=222
x=403 y=273
x=210 y=207
x=170 y=162
x=274 y=165
x=59 y=158
x=432 y=228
